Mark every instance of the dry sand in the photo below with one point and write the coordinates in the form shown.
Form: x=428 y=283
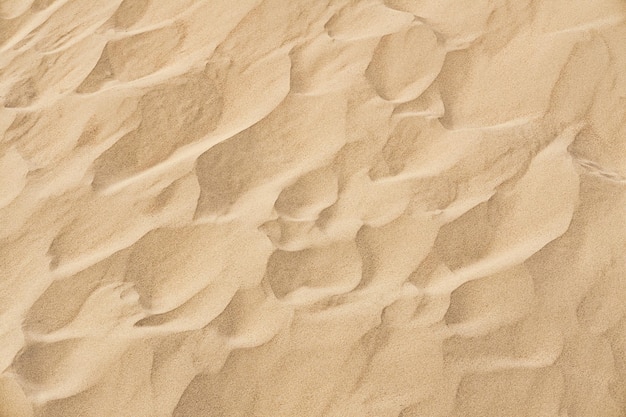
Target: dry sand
x=312 y=208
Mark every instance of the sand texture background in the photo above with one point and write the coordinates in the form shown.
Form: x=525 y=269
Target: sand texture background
x=312 y=208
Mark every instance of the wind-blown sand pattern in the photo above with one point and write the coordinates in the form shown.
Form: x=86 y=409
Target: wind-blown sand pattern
x=312 y=208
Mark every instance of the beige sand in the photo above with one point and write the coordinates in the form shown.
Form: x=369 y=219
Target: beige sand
x=312 y=208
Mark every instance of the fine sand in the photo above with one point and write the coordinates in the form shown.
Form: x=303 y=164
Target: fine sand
x=312 y=208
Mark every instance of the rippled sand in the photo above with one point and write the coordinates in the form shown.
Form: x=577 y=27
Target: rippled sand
x=312 y=208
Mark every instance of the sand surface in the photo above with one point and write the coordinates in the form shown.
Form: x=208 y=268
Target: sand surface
x=312 y=208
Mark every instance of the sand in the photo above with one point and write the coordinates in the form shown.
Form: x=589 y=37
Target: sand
x=312 y=208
